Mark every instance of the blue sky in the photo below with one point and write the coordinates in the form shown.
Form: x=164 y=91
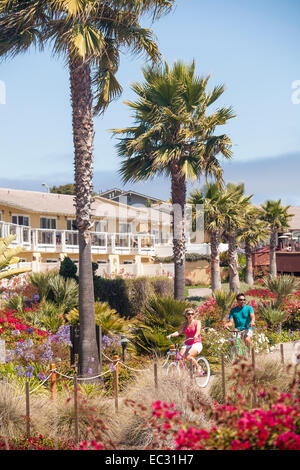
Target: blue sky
x=251 y=46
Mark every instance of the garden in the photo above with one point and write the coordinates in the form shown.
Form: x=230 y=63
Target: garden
x=38 y=312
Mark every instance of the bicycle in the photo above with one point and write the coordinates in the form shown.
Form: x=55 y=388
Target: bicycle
x=239 y=349
x=178 y=362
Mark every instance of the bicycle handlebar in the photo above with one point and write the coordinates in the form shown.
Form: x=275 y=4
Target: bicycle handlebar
x=236 y=330
x=181 y=343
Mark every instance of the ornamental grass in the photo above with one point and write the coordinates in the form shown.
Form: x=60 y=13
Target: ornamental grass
x=133 y=418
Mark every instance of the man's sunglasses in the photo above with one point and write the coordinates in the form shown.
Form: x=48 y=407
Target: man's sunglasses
x=243 y=300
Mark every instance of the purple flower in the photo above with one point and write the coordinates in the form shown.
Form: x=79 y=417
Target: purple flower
x=29 y=371
x=20 y=371
x=41 y=375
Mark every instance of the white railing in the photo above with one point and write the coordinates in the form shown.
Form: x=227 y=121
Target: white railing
x=50 y=240
x=22 y=233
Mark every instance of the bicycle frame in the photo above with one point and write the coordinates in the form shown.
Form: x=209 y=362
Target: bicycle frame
x=176 y=352
x=239 y=348
x=180 y=361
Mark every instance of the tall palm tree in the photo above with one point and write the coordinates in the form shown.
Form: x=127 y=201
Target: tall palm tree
x=277 y=217
x=214 y=200
x=237 y=205
x=174 y=136
x=89 y=35
x=254 y=232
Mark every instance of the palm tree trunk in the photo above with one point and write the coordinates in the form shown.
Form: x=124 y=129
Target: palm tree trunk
x=215 y=261
x=273 y=265
x=178 y=188
x=249 y=266
x=234 y=280
x=83 y=135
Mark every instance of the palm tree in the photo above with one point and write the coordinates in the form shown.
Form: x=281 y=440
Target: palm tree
x=237 y=206
x=277 y=217
x=89 y=35
x=174 y=136
x=214 y=200
x=254 y=233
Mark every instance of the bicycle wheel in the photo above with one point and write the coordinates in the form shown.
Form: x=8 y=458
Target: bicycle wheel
x=245 y=352
x=173 y=370
x=239 y=352
x=202 y=380
x=234 y=354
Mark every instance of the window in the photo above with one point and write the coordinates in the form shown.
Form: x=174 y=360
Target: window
x=124 y=228
x=71 y=224
x=49 y=223
x=101 y=226
x=20 y=220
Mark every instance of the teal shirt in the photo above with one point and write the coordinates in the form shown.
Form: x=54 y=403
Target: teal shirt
x=241 y=317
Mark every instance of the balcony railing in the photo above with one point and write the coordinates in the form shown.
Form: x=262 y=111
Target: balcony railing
x=22 y=233
x=46 y=240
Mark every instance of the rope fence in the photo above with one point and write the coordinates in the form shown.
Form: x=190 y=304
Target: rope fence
x=114 y=370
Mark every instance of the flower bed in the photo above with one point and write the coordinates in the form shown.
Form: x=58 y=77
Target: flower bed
x=13 y=330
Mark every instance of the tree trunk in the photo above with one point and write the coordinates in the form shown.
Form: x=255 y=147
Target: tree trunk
x=215 y=261
x=234 y=280
x=178 y=221
x=249 y=266
x=83 y=135
x=273 y=265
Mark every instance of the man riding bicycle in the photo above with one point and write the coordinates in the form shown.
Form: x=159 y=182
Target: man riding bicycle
x=243 y=318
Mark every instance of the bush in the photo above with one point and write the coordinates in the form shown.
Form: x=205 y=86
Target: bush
x=161 y=316
x=68 y=269
x=108 y=318
x=190 y=257
x=128 y=296
x=293 y=320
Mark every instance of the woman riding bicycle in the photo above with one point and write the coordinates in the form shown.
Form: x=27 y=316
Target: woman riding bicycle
x=193 y=345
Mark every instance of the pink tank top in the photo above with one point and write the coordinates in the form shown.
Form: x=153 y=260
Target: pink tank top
x=190 y=333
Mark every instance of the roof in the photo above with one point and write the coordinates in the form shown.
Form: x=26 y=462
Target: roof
x=130 y=192
x=63 y=204
x=36 y=201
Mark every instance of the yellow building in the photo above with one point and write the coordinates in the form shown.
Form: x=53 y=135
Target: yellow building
x=44 y=224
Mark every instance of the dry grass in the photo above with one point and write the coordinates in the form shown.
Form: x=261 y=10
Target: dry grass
x=133 y=429
x=53 y=419
x=127 y=428
x=270 y=373
x=12 y=411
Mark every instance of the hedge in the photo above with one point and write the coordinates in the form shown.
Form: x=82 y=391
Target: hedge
x=188 y=257
x=128 y=296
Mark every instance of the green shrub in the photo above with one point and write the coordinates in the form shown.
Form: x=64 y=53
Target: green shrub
x=161 y=316
x=128 y=296
x=68 y=269
x=108 y=318
x=190 y=257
